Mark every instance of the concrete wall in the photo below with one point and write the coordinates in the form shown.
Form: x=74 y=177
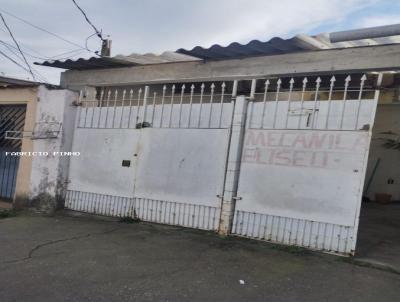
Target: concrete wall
x=49 y=173
x=387 y=120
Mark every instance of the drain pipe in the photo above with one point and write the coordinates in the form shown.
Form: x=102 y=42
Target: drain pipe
x=365 y=33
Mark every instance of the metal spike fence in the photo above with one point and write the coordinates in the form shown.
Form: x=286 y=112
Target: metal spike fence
x=283 y=103
x=197 y=105
x=305 y=104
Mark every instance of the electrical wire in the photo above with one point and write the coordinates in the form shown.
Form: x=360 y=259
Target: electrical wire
x=16 y=43
x=74 y=51
x=12 y=49
x=98 y=33
x=43 y=57
x=25 y=52
x=46 y=31
x=15 y=62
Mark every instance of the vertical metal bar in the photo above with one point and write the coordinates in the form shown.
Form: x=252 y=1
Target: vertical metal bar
x=138 y=111
x=362 y=80
x=278 y=87
x=318 y=84
x=171 y=110
x=332 y=80
x=201 y=103
x=130 y=107
x=80 y=108
x=346 y=86
x=115 y=107
x=122 y=108
x=107 y=105
x=145 y=97
x=305 y=81
x=86 y=107
x=212 y=87
x=251 y=100
x=164 y=89
x=190 y=104
x=223 y=85
x=180 y=105
x=154 y=108
x=253 y=89
x=266 y=84
x=93 y=110
x=100 y=106
x=234 y=88
x=291 y=82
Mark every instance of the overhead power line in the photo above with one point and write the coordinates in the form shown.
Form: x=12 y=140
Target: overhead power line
x=38 y=75
x=24 y=51
x=19 y=49
x=72 y=53
x=98 y=32
x=45 y=30
x=42 y=56
x=18 y=64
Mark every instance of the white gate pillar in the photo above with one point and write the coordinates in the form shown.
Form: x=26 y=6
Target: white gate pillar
x=233 y=166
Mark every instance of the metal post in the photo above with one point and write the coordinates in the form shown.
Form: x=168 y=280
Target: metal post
x=233 y=166
x=144 y=111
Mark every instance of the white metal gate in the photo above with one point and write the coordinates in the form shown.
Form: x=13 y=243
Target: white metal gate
x=157 y=154
x=303 y=163
x=175 y=155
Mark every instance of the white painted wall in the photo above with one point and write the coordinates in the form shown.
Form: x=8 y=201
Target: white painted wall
x=49 y=173
x=387 y=119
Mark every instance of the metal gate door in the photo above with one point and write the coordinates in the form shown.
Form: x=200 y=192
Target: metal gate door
x=304 y=160
x=12 y=118
x=157 y=154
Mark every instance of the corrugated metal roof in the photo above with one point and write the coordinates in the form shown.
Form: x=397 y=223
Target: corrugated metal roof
x=253 y=48
x=91 y=63
x=274 y=46
x=119 y=61
x=277 y=46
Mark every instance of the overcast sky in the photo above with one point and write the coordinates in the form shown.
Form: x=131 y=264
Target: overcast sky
x=143 y=26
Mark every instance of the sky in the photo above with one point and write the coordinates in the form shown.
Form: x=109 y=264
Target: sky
x=155 y=26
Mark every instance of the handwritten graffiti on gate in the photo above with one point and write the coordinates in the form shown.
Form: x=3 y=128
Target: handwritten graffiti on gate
x=314 y=149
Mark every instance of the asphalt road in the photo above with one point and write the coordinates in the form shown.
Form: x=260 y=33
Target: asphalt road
x=65 y=258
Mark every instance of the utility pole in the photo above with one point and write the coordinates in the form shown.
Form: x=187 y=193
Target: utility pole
x=105 y=48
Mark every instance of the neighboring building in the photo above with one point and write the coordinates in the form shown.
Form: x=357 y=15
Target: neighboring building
x=267 y=140
x=34 y=117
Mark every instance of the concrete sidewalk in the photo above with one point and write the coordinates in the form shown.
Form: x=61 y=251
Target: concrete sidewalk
x=378 y=240
x=86 y=259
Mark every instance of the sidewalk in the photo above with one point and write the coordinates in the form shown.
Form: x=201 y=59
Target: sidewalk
x=86 y=259
x=378 y=241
